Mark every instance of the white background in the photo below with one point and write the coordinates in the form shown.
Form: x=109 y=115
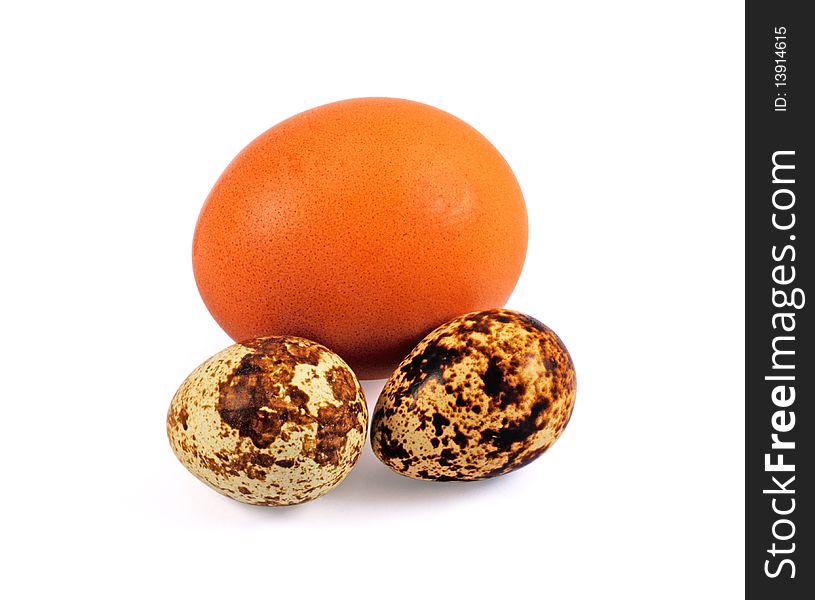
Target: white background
x=624 y=124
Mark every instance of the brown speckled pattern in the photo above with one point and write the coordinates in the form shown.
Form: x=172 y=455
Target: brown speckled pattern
x=480 y=396
x=272 y=421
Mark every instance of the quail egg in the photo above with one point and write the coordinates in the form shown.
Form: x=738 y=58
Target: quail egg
x=480 y=396
x=270 y=421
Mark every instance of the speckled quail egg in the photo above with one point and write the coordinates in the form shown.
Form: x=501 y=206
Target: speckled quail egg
x=480 y=396
x=271 y=421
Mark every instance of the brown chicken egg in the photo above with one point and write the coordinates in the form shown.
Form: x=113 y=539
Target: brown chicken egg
x=271 y=421
x=480 y=396
x=332 y=223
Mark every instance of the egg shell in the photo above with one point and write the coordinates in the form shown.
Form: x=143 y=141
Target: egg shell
x=271 y=421
x=480 y=396
x=362 y=225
